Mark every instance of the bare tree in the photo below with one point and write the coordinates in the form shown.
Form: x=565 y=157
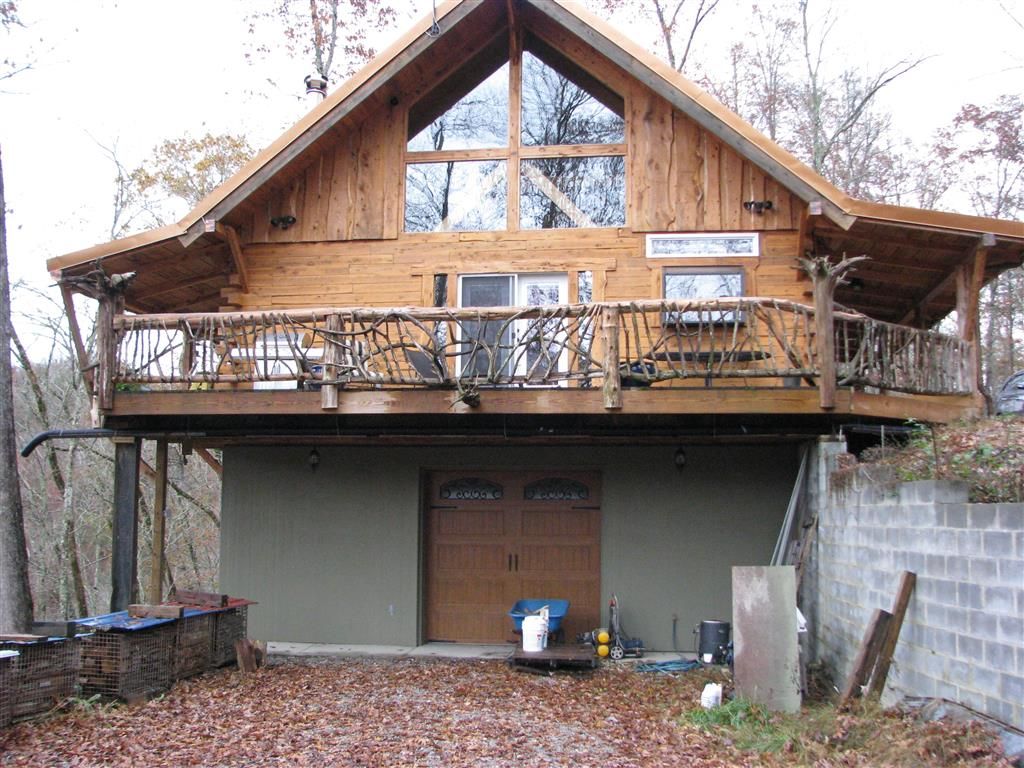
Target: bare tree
x=677 y=21
x=15 y=594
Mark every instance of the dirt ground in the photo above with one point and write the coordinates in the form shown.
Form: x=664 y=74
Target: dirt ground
x=432 y=713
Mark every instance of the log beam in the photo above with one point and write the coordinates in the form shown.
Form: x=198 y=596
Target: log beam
x=981 y=247
x=124 y=555
x=229 y=235
x=84 y=366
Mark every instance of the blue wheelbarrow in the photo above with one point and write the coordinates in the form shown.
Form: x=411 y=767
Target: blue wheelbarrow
x=556 y=612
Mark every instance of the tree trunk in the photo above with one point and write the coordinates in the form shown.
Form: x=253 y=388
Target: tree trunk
x=15 y=591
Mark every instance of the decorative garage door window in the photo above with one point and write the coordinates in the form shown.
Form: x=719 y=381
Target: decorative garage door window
x=556 y=489
x=471 y=489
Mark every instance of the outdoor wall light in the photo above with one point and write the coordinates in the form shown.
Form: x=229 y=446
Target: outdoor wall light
x=679 y=459
x=758 y=206
x=282 y=222
x=314 y=459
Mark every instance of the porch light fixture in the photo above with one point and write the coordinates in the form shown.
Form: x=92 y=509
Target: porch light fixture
x=758 y=206
x=314 y=459
x=679 y=459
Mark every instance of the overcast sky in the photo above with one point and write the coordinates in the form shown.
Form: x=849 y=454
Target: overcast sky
x=135 y=72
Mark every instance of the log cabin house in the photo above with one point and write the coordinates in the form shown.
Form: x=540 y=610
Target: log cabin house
x=517 y=312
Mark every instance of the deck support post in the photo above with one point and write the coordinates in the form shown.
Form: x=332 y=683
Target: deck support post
x=825 y=340
x=970 y=278
x=159 y=511
x=612 y=377
x=124 y=555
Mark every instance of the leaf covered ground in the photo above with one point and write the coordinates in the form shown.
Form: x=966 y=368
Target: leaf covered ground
x=381 y=712
x=987 y=454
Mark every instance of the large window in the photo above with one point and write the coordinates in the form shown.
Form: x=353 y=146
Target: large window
x=534 y=143
x=686 y=284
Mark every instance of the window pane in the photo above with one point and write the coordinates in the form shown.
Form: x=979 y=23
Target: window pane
x=485 y=345
x=704 y=284
x=466 y=196
x=573 y=192
x=558 y=111
x=479 y=120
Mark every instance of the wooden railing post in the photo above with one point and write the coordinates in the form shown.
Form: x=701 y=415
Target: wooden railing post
x=826 y=341
x=332 y=349
x=610 y=338
x=106 y=352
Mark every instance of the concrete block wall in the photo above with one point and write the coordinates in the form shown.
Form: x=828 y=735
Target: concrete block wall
x=963 y=636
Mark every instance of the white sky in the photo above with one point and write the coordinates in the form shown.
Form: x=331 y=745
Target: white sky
x=139 y=72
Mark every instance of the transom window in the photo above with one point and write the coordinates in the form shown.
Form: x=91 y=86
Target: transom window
x=684 y=284
x=535 y=142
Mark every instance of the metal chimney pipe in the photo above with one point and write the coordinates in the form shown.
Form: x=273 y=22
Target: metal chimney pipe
x=316 y=87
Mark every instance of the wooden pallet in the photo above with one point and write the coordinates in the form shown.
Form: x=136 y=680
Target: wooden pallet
x=554 y=657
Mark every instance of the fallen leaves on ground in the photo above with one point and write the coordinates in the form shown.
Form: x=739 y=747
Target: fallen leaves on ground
x=398 y=712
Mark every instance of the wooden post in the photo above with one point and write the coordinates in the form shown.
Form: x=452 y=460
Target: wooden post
x=76 y=337
x=159 y=511
x=826 y=340
x=866 y=656
x=124 y=557
x=892 y=635
x=970 y=278
x=332 y=348
x=105 y=353
x=610 y=338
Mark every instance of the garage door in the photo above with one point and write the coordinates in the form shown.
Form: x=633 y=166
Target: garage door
x=495 y=538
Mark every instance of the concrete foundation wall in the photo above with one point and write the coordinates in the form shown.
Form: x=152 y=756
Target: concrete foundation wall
x=334 y=555
x=963 y=636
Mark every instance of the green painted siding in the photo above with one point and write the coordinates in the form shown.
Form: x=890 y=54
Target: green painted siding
x=333 y=556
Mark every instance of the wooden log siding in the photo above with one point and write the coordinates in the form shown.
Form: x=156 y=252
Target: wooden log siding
x=745 y=340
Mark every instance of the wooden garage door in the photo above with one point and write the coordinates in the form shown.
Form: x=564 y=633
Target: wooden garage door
x=495 y=538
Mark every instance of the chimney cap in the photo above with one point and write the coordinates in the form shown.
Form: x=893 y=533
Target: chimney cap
x=316 y=84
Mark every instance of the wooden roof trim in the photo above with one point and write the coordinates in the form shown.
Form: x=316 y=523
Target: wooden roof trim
x=114 y=247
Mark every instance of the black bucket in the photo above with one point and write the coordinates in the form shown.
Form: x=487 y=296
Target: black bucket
x=714 y=641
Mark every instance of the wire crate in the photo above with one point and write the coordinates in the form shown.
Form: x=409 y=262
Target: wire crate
x=229 y=626
x=8 y=659
x=193 y=645
x=45 y=674
x=127 y=665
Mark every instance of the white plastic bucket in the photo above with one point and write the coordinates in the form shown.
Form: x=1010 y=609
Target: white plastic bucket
x=535 y=633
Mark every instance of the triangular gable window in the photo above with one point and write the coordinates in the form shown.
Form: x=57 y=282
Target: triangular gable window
x=568 y=148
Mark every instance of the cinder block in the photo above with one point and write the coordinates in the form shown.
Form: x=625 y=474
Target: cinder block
x=956 y=619
x=1011 y=629
x=915 y=562
x=955 y=515
x=970 y=648
x=999 y=709
x=935 y=566
x=1000 y=656
x=998 y=543
x=1000 y=600
x=957 y=567
x=919 y=490
x=945 y=540
x=958 y=672
x=924 y=516
x=950 y=491
x=968 y=595
x=923 y=684
x=983 y=624
x=984 y=570
x=1011 y=687
x=984 y=679
x=1011 y=572
x=944 y=591
x=940 y=641
x=945 y=690
x=972 y=698
x=981 y=516
x=969 y=543
x=1011 y=517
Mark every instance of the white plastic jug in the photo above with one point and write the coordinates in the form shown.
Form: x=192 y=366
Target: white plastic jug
x=711 y=696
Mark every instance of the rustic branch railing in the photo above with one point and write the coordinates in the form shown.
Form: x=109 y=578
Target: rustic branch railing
x=612 y=345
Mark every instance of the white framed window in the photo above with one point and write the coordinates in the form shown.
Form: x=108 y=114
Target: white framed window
x=704 y=245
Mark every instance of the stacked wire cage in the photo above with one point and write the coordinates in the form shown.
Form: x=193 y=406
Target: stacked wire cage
x=229 y=626
x=7 y=661
x=45 y=674
x=193 y=644
x=128 y=665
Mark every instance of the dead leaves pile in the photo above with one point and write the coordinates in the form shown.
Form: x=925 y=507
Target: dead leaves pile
x=389 y=713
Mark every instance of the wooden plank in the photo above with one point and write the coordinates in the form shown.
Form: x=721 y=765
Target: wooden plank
x=230 y=236
x=211 y=461
x=899 y=610
x=143 y=611
x=867 y=655
x=188 y=597
x=125 y=534
x=159 y=519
